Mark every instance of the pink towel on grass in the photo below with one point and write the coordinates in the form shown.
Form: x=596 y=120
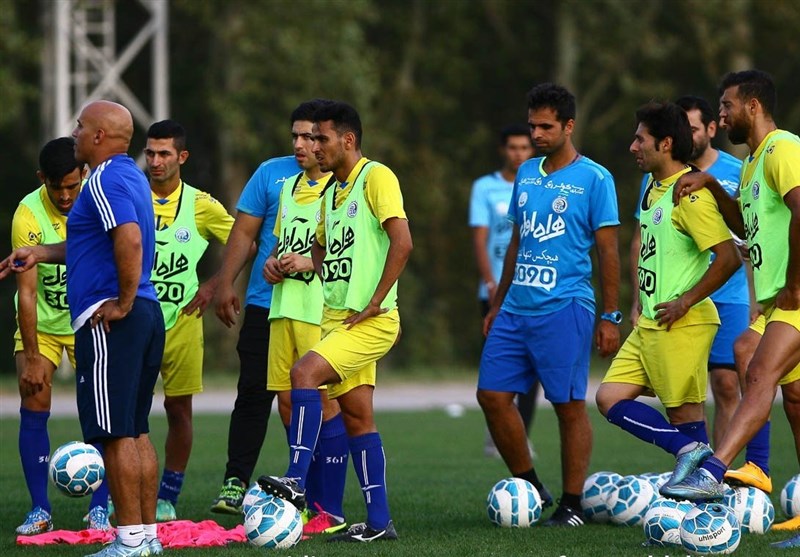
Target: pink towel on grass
x=175 y=534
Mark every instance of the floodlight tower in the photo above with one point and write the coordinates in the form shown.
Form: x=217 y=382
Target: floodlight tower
x=82 y=62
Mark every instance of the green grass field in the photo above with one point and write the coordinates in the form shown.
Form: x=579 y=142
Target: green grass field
x=438 y=479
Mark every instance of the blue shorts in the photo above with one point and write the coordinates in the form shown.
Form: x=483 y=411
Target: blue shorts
x=117 y=371
x=553 y=349
x=734 y=320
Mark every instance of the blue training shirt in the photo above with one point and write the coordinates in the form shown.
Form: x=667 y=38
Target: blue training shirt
x=260 y=198
x=116 y=193
x=558 y=215
x=488 y=207
x=726 y=169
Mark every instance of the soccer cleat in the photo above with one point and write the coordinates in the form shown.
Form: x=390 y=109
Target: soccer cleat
x=788 y=525
x=787 y=544
x=155 y=547
x=362 y=533
x=750 y=474
x=565 y=515
x=285 y=488
x=545 y=496
x=119 y=549
x=306 y=515
x=688 y=462
x=699 y=485
x=165 y=511
x=38 y=521
x=323 y=523
x=97 y=519
x=230 y=497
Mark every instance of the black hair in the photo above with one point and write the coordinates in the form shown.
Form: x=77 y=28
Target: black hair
x=57 y=159
x=692 y=102
x=305 y=110
x=513 y=130
x=169 y=129
x=668 y=120
x=753 y=84
x=549 y=95
x=345 y=118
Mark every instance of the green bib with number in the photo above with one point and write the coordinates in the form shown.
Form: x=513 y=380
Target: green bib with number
x=766 y=226
x=299 y=295
x=179 y=248
x=356 y=250
x=52 y=310
x=669 y=262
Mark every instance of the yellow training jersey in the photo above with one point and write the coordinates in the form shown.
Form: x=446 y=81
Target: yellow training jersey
x=307 y=191
x=25 y=229
x=211 y=218
x=381 y=189
x=697 y=216
x=781 y=167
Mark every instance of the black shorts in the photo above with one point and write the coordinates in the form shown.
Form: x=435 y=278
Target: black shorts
x=117 y=371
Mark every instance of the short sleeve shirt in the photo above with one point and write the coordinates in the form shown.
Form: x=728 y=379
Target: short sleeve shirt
x=260 y=198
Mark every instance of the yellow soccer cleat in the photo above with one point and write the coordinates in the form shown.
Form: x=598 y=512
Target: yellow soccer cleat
x=791 y=524
x=749 y=474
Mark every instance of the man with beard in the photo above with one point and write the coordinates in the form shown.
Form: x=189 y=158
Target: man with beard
x=768 y=216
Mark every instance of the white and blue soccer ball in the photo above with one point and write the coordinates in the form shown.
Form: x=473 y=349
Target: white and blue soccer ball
x=629 y=500
x=77 y=469
x=273 y=523
x=514 y=503
x=790 y=497
x=710 y=529
x=594 y=499
x=752 y=507
x=253 y=496
x=656 y=479
x=662 y=521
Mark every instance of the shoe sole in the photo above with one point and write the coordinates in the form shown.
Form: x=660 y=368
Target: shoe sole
x=329 y=530
x=279 y=490
x=223 y=508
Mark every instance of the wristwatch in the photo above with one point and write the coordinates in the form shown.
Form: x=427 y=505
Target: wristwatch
x=614 y=317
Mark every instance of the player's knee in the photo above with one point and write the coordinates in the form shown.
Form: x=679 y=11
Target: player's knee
x=605 y=400
x=743 y=349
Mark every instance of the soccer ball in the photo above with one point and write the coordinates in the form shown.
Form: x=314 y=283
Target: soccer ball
x=514 y=503
x=253 y=496
x=790 y=497
x=752 y=508
x=710 y=528
x=629 y=499
x=662 y=521
x=656 y=479
x=77 y=469
x=273 y=523
x=595 y=495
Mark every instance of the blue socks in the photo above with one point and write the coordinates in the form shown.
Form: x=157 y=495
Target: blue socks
x=715 y=467
x=369 y=462
x=303 y=432
x=34 y=452
x=696 y=430
x=171 y=484
x=758 y=448
x=333 y=456
x=648 y=424
x=100 y=497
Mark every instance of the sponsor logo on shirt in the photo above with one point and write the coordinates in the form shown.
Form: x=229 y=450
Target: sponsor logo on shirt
x=540 y=230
